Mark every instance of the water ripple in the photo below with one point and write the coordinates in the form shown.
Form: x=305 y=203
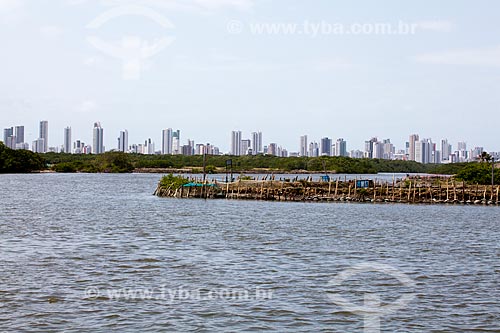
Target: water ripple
x=62 y=236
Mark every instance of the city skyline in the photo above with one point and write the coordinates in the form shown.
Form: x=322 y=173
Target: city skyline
x=56 y=135
x=417 y=148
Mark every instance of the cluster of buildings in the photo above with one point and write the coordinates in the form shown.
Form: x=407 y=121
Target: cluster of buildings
x=171 y=143
x=13 y=138
x=253 y=146
x=422 y=150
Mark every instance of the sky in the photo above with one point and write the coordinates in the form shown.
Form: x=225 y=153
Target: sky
x=283 y=67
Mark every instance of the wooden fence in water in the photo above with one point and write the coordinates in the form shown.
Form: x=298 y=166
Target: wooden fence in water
x=421 y=190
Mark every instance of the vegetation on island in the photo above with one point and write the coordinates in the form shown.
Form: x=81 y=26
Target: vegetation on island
x=111 y=162
x=173 y=182
x=264 y=163
x=19 y=161
x=480 y=172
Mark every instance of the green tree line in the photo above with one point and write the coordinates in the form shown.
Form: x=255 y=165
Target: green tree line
x=90 y=163
x=19 y=161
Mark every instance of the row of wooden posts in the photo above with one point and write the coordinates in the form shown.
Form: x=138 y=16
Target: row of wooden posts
x=407 y=191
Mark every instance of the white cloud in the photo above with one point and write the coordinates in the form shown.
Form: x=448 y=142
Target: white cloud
x=437 y=26
x=217 y=61
x=9 y=5
x=331 y=65
x=87 y=107
x=11 y=11
x=51 y=32
x=92 y=61
x=488 y=57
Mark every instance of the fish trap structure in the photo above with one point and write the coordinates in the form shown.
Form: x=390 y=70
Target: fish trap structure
x=417 y=190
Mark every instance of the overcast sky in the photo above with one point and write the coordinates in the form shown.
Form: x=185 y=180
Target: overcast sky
x=200 y=66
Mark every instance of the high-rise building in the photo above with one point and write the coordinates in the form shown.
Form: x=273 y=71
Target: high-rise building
x=423 y=151
x=38 y=146
x=167 y=141
x=272 y=149
x=303 y=146
x=98 y=139
x=356 y=154
x=187 y=150
x=476 y=153
x=149 y=147
x=44 y=134
x=78 y=147
x=257 y=143
x=411 y=150
x=326 y=147
x=246 y=147
x=176 y=142
x=19 y=134
x=313 y=149
x=401 y=155
x=369 y=147
x=378 y=150
x=436 y=157
x=282 y=152
x=341 y=147
x=389 y=150
x=23 y=146
x=236 y=143
x=11 y=142
x=67 y=140
x=8 y=137
x=123 y=141
x=191 y=147
x=199 y=149
x=446 y=150
x=6 y=133
x=462 y=152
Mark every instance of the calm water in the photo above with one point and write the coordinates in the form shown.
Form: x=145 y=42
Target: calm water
x=69 y=243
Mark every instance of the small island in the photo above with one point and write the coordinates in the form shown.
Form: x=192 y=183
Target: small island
x=416 y=189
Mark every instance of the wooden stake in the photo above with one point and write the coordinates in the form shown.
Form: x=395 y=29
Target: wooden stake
x=401 y=190
x=447 y=191
x=409 y=192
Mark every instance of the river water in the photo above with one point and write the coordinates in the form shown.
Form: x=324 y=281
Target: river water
x=100 y=253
